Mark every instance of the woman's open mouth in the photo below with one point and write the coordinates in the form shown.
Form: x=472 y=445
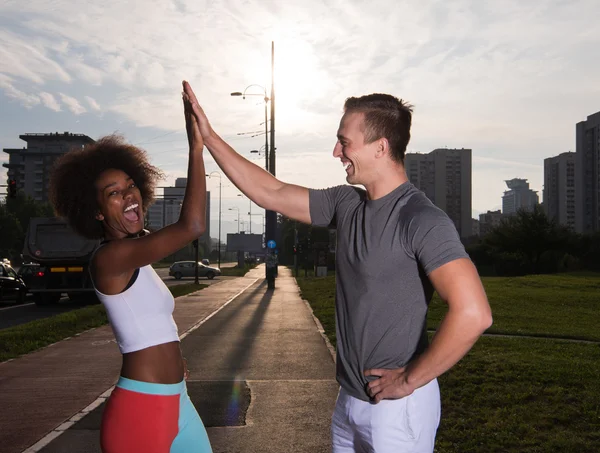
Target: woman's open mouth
x=131 y=213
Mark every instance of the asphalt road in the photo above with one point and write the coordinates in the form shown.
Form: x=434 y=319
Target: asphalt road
x=14 y=315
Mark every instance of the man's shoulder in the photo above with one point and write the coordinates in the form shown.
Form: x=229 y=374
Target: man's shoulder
x=420 y=211
x=418 y=203
x=343 y=191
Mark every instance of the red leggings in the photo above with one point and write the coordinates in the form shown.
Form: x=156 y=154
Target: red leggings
x=154 y=422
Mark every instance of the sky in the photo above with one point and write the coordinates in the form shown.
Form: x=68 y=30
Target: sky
x=508 y=79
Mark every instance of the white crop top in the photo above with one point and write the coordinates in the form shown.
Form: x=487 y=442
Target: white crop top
x=142 y=315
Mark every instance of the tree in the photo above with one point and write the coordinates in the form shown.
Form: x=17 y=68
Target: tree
x=11 y=239
x=525 y=237
x=14 y=221
x=24 y=208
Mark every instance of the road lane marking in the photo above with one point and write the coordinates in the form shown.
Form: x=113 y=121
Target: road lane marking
x=198 y=324
x=17 y=306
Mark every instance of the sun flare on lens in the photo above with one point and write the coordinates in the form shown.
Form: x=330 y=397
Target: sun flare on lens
x=233 y=408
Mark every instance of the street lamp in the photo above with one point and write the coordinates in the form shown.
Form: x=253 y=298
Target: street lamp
x=266 y=99
x=249 y=212
x=260 y=150
x=271 y=216
x=238 y=219
x=219 y=245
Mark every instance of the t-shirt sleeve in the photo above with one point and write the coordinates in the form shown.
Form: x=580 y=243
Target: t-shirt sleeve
x=434 y=239
x=324 y=204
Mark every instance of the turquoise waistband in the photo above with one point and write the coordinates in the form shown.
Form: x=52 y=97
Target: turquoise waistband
x=151 y=388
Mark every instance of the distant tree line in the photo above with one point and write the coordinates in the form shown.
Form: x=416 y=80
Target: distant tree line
x=531 y=243
x=525 y=243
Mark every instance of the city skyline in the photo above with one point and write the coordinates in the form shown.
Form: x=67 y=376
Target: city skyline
x=498 y=79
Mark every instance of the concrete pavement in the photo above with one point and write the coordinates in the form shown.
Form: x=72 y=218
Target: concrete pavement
x=262 y=377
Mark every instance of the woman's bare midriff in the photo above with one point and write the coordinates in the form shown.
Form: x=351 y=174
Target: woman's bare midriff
x=160 y=364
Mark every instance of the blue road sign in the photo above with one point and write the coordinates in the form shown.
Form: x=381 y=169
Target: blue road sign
x=271 y=244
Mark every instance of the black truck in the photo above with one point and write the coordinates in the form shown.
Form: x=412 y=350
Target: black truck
x=60 y=259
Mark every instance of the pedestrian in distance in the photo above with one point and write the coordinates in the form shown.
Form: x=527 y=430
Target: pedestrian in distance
x=394 y=248
x=104 y=191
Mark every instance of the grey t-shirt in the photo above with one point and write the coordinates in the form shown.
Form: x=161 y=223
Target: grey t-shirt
x=385 y=250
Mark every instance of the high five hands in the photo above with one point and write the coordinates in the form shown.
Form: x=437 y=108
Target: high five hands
x=197 y=123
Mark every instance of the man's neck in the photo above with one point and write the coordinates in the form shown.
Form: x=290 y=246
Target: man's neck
x=387 y=181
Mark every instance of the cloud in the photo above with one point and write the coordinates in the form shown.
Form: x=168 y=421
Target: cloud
x=27 y=100
x=85 y=72
x=507 y=78
x=28 y=58
x=72 y=104
x=92 y=103
x=49 y=101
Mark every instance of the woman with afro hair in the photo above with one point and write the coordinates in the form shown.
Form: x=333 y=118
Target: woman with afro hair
x=103 y=191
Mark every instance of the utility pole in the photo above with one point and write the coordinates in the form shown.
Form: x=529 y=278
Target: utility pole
x=271 y=216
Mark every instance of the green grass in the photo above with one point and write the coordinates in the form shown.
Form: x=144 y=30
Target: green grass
x=236 y=271
x=561 y=305
x=514 y=395
x=26 y=338
x=186 y=288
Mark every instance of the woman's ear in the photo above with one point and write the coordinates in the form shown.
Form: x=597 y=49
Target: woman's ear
x=99 y=217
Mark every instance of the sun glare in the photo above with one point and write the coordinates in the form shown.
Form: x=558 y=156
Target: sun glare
x=298 y=80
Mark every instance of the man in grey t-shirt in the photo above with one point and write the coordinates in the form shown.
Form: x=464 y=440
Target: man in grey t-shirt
x=394 y=249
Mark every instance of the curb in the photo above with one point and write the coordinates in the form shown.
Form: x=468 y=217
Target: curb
x=319 y=325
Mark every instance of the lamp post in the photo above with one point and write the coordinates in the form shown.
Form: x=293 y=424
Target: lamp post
x=249 y=212
x=266 y=99
x=271 y=216
x=262 y=149
x=219 y=245
x=238 y=219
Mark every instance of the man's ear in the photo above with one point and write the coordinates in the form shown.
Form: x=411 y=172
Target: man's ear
x=383 y=147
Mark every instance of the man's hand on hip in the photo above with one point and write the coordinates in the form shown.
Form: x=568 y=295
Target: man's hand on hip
x=391 y=385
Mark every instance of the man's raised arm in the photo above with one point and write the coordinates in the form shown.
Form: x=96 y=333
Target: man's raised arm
x=255 y=182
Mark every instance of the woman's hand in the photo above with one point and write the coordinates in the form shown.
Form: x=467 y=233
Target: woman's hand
x=192 y=127
x=198 y=114
x=186 y=372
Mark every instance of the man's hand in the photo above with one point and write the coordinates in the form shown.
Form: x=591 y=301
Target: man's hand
x=195 y=140
x=391 y=385
x=197 y=113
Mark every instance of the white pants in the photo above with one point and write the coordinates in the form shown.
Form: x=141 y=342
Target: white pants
x=406 y=425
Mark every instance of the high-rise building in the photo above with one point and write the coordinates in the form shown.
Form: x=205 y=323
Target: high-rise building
x=475 y=224
x=559 y=189
x=166 y=209
x=30 y=167
x=444 y=175
x=587 y=180
x=518 y=196
x=489 y=221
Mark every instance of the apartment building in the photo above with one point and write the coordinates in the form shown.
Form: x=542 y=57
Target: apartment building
x=30 y=166
x=559 y=189
x=444 y=175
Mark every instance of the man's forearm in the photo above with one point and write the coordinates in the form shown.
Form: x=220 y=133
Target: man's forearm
x=254 y=181
x=455 y=336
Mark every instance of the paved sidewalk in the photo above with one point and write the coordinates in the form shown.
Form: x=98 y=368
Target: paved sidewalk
x=262 y=377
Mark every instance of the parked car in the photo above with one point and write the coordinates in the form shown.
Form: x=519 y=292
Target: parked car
x=11 y=285
x=29 y=271
x=182 y=269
